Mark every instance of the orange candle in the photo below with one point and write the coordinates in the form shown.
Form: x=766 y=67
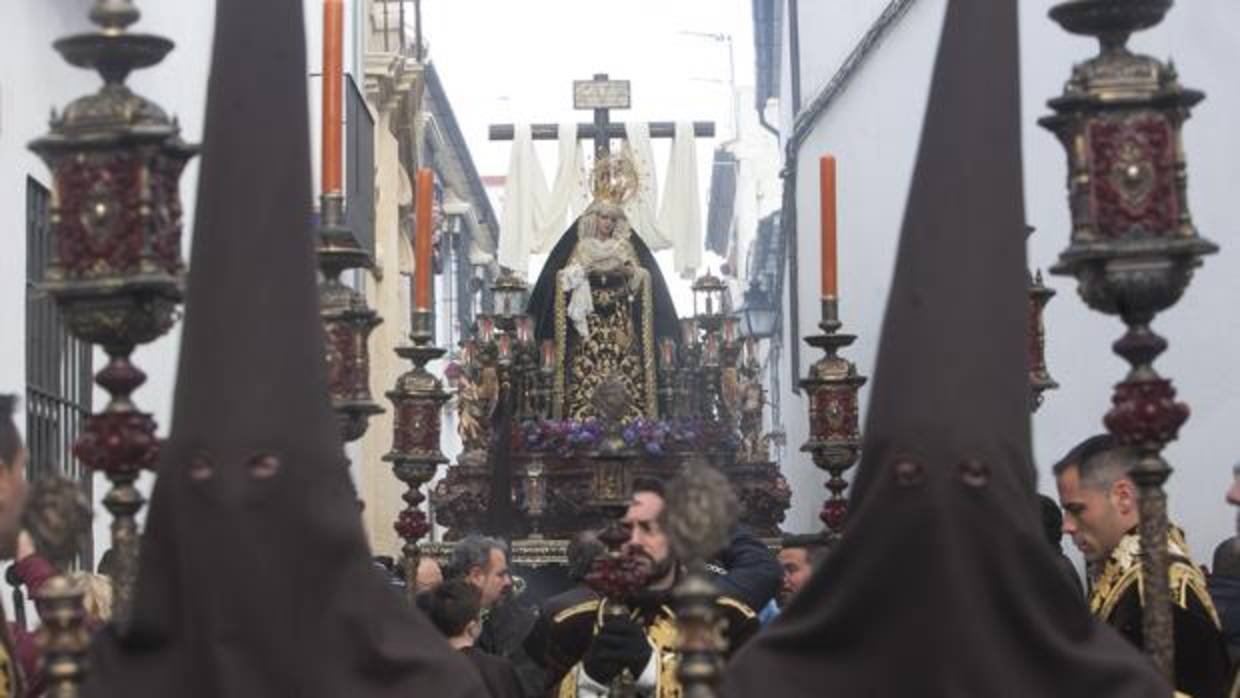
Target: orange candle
x=830 y=278
x=422 y=241
x=333 y=86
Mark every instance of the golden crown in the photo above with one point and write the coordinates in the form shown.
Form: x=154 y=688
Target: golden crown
x=615 y=178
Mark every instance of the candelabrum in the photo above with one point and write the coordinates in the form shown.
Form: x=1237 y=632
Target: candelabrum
x=834 y=431
x=1133 y=247
x=57 y=518
x=617 y=576
x=417 y=401
x=1040 y=379
x=701 y=508
x=1040 y=294
x=347 y=321
x=115 y=270
x=63 y=637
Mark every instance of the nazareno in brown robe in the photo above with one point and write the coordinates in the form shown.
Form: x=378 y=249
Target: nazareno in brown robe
x=255 y=578
x=943 y=585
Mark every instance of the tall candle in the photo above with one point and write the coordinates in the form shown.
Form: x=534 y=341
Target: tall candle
x=688 y=331
x=422 y=242
x=333 y=87
x=669 y=352
x=830 y=280
x=548 y=354
x=505 y=347
x=711 y=357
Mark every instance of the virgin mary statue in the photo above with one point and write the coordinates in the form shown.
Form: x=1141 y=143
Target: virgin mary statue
x=602 y=300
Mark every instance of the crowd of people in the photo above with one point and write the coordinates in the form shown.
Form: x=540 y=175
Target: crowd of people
x=566 y=645
x=563 y=646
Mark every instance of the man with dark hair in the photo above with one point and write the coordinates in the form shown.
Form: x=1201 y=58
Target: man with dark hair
x=583 y=655
x=1224 y=585
x=746 y=570
x=483 y=562
x=455 y=608
x=798 y=555
x=1052 y=525
x=1100 y=504
x=506 y=621
x=12 y=504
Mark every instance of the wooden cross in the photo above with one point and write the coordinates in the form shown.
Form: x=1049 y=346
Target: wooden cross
x=600 y=95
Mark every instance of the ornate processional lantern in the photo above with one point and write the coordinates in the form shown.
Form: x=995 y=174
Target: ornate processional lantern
x=347 y=322
x=115 y=270
x=1133 y=247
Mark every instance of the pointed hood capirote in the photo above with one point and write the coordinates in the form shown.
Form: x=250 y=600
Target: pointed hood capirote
x=942 y=585
x=255 y=577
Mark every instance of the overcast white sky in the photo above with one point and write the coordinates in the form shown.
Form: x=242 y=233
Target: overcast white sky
x=504 y=61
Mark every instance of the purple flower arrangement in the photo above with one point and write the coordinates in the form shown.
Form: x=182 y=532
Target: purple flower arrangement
x=652 y=437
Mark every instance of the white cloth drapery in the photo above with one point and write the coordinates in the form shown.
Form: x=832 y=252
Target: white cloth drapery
x=681 y=212
x=642 y=209
x=524 y=196
x=534 y=216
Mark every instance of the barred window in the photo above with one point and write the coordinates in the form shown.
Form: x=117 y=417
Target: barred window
x=58 y=366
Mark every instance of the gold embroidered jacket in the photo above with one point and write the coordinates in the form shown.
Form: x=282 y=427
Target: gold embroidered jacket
x=572 y=630
x=1117 y=597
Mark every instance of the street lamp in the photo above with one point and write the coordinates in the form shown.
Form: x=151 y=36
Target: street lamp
x=757 y=313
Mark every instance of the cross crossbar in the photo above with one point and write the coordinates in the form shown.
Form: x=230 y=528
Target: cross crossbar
x=607 y=95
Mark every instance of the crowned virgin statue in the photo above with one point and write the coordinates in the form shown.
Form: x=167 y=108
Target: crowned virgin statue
x=602 y=300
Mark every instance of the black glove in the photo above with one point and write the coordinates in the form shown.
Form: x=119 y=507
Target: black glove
x=619 y=644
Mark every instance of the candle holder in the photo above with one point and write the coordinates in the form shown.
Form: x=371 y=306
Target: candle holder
x=57 y=518
x=709 y=302
x=1133 y=246
x=1040 y=379
x=1040 y=294
x=63 y=636
x=347 y=321
x=417 y=401
x=115 y=270
x=617 y=577
x=835 y=434
x=534 y=495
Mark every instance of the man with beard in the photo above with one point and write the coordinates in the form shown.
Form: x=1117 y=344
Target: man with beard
x=587 y=650
x=798 y=556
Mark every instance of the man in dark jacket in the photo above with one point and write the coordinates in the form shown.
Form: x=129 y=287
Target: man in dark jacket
x=455 y=607
x=507 y=618
x=1224 y=585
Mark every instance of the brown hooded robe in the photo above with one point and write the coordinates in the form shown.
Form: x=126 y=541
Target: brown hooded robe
x=255 y=578
x=943 y=585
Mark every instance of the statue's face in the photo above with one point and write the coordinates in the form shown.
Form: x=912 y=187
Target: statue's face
x=606 y=225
